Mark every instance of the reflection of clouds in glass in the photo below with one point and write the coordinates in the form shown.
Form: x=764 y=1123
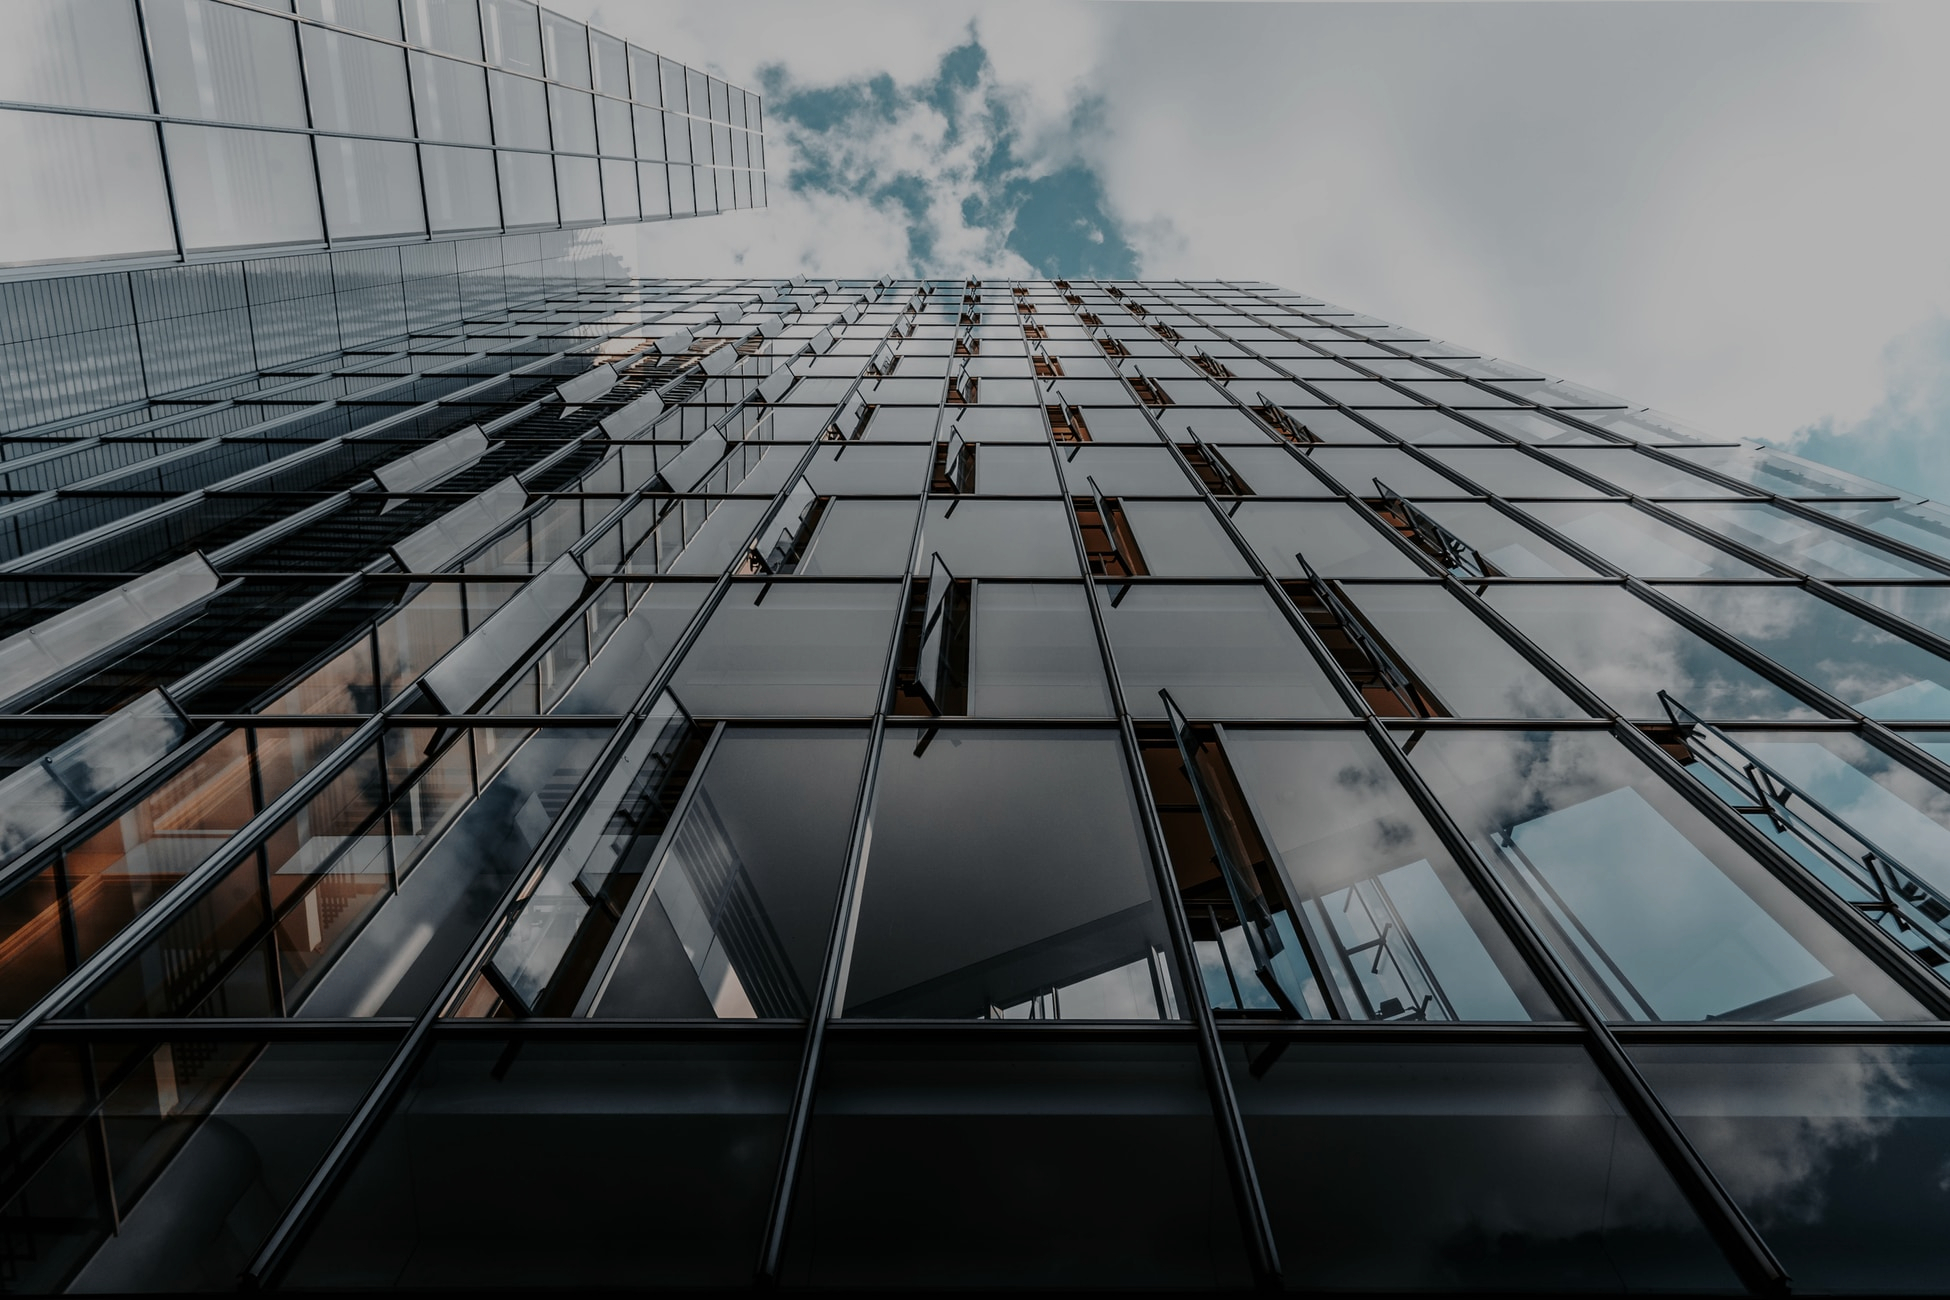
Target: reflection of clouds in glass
x=1905 y=814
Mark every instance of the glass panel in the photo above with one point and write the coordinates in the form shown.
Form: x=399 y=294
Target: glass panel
x=1424 y=1167
x=580 y=185
x=850 y=469
x=512 y=35
x=356 y=86
x=450 y=102
x=371 y=188
x=861 y=539
x=242 y=187
x=1333 y=536
x=1473 y=671
x=693 y=1128
x=1802 y=543
x=573 y=116
x=1640 y=544
x=460 y=188
x=737 y=922
x=1537 y=429
x=1628 y=652
x=1835 y=1151
x=80 y=188
x=1924 y=525
x=1384 y=909
x=1015 y=471
x=236 y=1154
x=1516 y=551
x=1223 y=652
x=1182 y=539
x=1034 y=653
x=1007 y=879
x=1357 y=468
x=1927 y=607
x=1125 y=471
x=1636 y=473
x=1271 y=472
x=1876 y=671
x=1656 y=912
x=1421 y=426
x=527 y=188
x=81 y=53
x=915 y=1170
x=520 y=111
x=613 y=128
x=449 y=26
x=1511 y=473
x=566 y=45
x=1779 y=472
x=1001 y=539
x=224 y=64
x=804 y=649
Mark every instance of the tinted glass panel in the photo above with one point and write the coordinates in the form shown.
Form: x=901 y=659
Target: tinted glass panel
x=1640 y=544
x=1806 y=545
x=1333 y=537
x=1472 y=670
x=1034 y=653
x=806 y=649
x=1223 y=652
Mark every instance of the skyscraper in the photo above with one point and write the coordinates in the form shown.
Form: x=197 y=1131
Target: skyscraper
x=523 y=777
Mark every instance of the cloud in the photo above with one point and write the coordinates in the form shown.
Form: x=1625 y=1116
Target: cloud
x=1905 y=437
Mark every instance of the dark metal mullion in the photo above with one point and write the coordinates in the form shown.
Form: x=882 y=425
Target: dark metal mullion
x=839 y=943
x=1257 y=1226
x=1746 y=1251
x=271 y=1255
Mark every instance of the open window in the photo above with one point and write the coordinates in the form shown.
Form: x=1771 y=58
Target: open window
x=791 y=535
x=954 y=466
x=1108 y=542
x=1113 y=348
x=1283 y=423
x=1431 y=538
x=1066 y=423
x=1211 y=466
x=1387 y=684
x=934 y=661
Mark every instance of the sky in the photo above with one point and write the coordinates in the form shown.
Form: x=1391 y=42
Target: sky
x=1733 y=211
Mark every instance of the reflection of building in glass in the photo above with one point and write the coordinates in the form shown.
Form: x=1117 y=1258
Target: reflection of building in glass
x=898 y=783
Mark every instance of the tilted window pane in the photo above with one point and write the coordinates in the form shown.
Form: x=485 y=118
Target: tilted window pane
x=1034 y=653
x=1803 y=543
x=460 y=188
x=80 y=53
x=1628 y=652
x=1223 y=652
x=1007 y=879
x=449 y=26
x=807 y=649
x=1384 y=1166
x=450 y=101
x=224 y=64
x=1835 y=1150
x=371 y=187
x=1514 y=550
x=1876 y=671
x=1779 y=472
x=81 y=187
x=242 y=187
x=1657 y=913
x=1638 y=543
x=1333 y=537
x=736 y=922
x=1472 y=670
x=1382 y=906
x=1924 y=525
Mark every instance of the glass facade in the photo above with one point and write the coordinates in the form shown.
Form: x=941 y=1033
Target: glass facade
x=1011 y=785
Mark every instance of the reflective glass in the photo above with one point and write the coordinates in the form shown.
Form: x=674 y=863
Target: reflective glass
x=1512 y=473
x=1537 y=429
x=1416 y=1167
x=1474 y=672
x=1357 y=468
x=1382 y=908
x=1223 y=652
x=805 y=649
x=1927 y=607
x=1423 y=426
x=1803 y=543
x=1514 y=550
x=858 y=539
x=915 y=1169
x=851 y=469
x=224 y=64
x=1015 y=471
x=1835 y=1151
x=735 y=925
x=236 y=188
x=81 y=187
x=1876 y=671
x=1635 y=473
x=1183 y=539
x=1034 y=653
x=1779 y=472
x=1655 y=911
x=1273 y=472
x=1639 y=543
x=1332 y=536
x=1924 y=524
x=1007 y=878
x=1125 y=471
x=1000 y=539
x=1628 y=652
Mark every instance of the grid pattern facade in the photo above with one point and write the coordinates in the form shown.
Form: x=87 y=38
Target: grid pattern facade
x=995 y=784
x=171 y=130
